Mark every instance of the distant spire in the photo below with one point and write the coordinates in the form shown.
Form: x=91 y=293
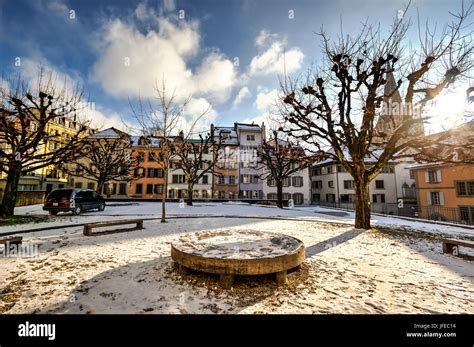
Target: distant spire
x=390 y=87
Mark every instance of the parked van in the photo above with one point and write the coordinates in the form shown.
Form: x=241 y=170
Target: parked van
x=74 y=200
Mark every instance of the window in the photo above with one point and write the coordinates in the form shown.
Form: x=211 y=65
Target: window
x=317 y=184
x=220 y=179
x=331 y=184
x=149 y=188
x=151 y=156
x=465 y=188
x=316 y=172
x=464 y=214
x=141 y=157
x=347 y=198
x=250 y=137
x=316 y=197
x=155 y=172
x=122 y=189
x=433 y=176
x=91 y=185
x=298 y=198
x=271 y=196
x=78 y=185
x=139 y=188
x=271 y=182
x=378 y=198
x=286 y=196
x=435 y=198
x=177 y=179
x=297 y=181
x=349 y=184
x=412 y=174
x=171 y=193
x=329 y=169
x=231 y=179
x=330 y=197
x=379 y=184
x=204 y=194
x=158 y=189
x=205 y=179
x=461 y=188
x=286 y=182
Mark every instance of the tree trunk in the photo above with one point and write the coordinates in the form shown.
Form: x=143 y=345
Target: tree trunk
x=279 y=185
x=362 y=216
x=190 y=194
x=164 y=195
x=100 y=186
x=7 y=208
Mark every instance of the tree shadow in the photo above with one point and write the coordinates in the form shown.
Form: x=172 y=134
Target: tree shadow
x=430 y=246
x=332 y=242
x=73 y=238
x=158 y=287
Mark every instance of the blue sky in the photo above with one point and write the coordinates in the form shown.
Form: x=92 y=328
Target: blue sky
x=196 y=54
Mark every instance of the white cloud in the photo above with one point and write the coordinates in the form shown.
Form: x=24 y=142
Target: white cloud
x=243 y=94
x=169 y=5
x=275 y=58
x=163 y=53
x=103 y=119
x=263 y=37
x=99 y=116
x=266 y=99
x=198 y=115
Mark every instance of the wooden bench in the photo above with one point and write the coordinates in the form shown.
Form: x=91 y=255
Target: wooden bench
x=451 y=246
x=14 y=240
x=88 y=227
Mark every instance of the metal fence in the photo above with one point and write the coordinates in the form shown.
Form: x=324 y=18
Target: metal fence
x=436 y=213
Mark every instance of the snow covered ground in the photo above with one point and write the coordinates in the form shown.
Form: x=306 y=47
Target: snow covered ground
x=397 y=269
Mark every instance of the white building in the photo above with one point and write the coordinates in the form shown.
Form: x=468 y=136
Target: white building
x=296 y=187
x=250 y=137
x=332 y=185
x=177 y=185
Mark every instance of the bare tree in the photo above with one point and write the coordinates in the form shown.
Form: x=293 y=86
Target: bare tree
x=193 y=160
x=161 y=121
x=346 y=108
x=26 y=141
x=278 y=159
x=104 y=160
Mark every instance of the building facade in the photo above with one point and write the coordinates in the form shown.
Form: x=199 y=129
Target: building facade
x=445 y=192
x=332 y=185
x=226 y=171
x=177 y=184
x=148 y=179
x=114 y=188
x=295 y=187
x=250 y=183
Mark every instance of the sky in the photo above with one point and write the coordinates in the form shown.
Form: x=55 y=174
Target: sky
x=228 y=55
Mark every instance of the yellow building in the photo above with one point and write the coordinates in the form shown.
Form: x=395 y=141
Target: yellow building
x=48 y=178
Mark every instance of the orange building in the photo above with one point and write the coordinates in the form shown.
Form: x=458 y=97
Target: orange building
x=445 y=192
x=148 y=178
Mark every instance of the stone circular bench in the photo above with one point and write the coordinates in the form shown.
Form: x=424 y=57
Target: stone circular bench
x=229 y=253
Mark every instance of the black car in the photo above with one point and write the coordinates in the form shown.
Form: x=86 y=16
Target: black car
x=74 y=200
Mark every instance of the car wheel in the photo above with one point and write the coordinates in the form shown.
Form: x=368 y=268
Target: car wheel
x=53 y=213
x=77 y=210
x=102 y=206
